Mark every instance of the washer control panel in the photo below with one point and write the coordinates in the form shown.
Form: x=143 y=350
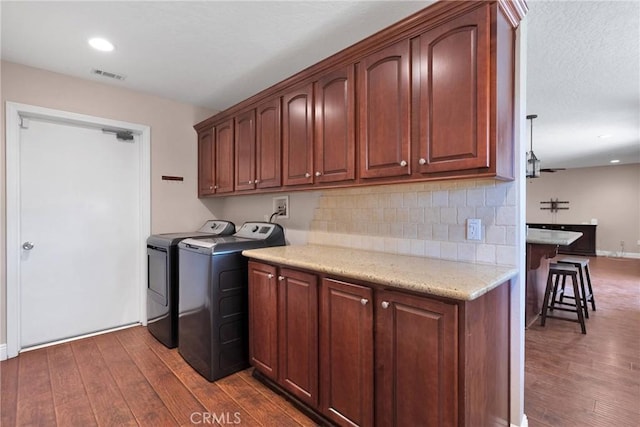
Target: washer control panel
x=256 y=230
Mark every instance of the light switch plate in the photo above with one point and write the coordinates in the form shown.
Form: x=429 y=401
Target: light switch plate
x=474 y=229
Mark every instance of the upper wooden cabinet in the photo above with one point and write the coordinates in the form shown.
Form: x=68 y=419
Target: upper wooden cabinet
x=206 y=161
x=335 y=143
x=224 y=157
x=384 y=105
x=453 y=67
x=429 y=98
x=245 y=156
x=268 y=145
x=297 y=136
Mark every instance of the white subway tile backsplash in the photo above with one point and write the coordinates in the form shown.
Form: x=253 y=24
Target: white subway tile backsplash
x=440 y=198
x=421 y=219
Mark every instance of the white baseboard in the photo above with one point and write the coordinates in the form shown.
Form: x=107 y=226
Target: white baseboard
x=613 y=254
x=3 y=352
x=523 y=423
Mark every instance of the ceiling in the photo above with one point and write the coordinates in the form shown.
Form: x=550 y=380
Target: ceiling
x=583 y=73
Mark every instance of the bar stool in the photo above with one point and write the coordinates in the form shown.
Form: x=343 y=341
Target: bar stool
x=556 y=271
x=583 y=266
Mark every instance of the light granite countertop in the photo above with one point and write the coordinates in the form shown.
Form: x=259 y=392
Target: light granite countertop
x=552 y=237
x=450 y=279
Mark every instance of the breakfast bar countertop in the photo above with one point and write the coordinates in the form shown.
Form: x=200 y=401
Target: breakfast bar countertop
x=449 y=279
x=552 y=237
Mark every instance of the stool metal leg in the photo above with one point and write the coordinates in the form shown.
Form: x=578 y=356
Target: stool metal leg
x=579 y=308
x=593 y=299
x=545 y=303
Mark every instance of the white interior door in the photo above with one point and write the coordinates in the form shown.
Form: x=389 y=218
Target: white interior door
x=79 y=209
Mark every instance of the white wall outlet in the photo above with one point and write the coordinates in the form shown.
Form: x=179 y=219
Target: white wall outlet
x=474 y=229
x=281 y=206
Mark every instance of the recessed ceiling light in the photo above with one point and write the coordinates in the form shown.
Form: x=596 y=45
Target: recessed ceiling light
x=605 y=136
x=101 y=44
x=615 y=161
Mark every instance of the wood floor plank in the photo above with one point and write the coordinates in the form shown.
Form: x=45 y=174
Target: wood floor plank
x=109 y=406
x=72 y=404
x=9 y=391
x=216 y=401
x=277 y=399
x=573 y=379
x=176 y=397
x=263 y=410
x=144 y=402
x=35 y=400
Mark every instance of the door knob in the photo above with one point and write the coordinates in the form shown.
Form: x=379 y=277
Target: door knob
x=27 y=246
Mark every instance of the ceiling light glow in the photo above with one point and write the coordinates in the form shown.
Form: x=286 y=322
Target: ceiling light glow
x=605 y=136
x=615 y=161
x=101 y=44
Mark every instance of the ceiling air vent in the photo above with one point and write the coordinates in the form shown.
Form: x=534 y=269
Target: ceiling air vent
x=108 y=74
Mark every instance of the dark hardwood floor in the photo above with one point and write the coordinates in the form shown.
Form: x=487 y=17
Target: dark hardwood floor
x=128 y=378
x=573 y=379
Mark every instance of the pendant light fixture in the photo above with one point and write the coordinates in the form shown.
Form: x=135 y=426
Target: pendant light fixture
x=533 y=164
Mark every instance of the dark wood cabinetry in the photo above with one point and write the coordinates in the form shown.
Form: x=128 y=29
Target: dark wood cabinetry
x=362 y=355
x=298 y=329
x=215 y=160
x=585 y=245
x=429 y=98
x=416 y=361
x=297 y=136
x=384 y=104
x=335 y=143
x=263 y=319
x=346 y=353
x=245 y=156
x=206 y=161
x=454 y=103
x=268 y=145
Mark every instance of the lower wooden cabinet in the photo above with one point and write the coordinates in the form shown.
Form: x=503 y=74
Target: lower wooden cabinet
x=416 y=361
x=298 y=334
x=263 y=319
x=346 y=353
x=358 y=355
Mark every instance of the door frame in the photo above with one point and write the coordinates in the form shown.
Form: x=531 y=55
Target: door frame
x=14 y=113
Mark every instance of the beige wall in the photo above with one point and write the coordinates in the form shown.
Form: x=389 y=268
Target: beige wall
x=610 y=194
x=174 y=206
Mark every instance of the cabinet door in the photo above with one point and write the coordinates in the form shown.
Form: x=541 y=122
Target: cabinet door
x=263 y=319
x=298 y=342
x=335 y=126
x=297 y=135
x=245 y=145
x=416 y=361
x=454 y=94
x=206 y=162
x=346 y=353
x=268 y=145
x=384 y=97
x=224 y=157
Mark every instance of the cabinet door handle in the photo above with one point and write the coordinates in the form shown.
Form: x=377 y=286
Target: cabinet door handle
x=211 y=187
x=256 y=181
x=364 y=301
x=318 y=173
x=270 y=276
x=385 y=304
x=403 y=163
x=281 y=278
x=307 y=175
x=250 y=182
x=422 y=161
x=215 y=187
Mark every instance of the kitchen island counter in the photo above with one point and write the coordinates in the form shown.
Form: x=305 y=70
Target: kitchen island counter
x=449 y=279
